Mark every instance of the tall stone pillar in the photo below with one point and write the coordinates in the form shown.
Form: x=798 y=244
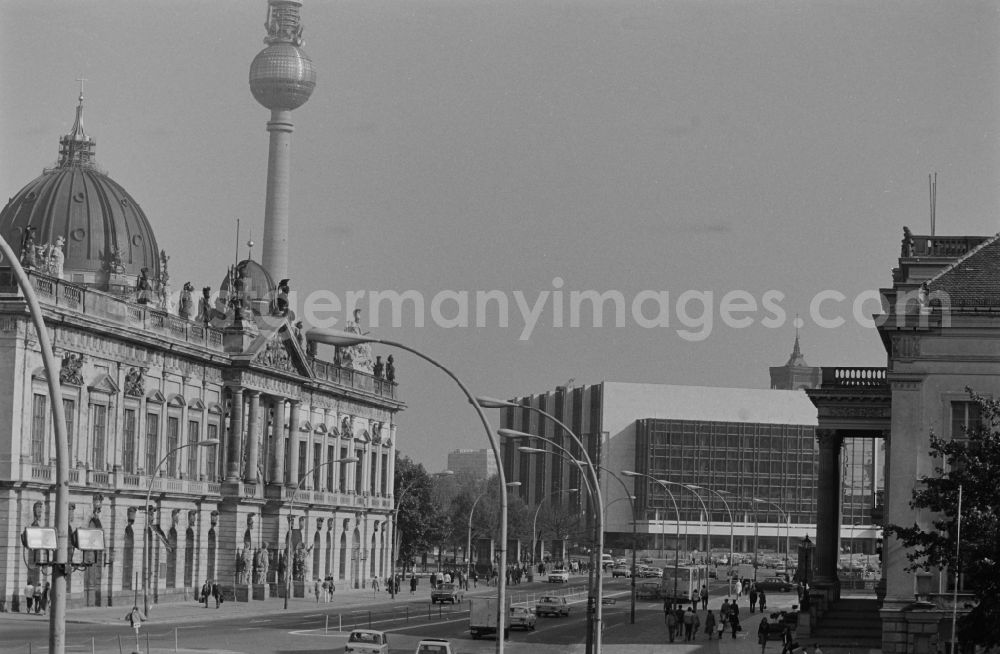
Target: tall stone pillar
x=828 y=508
x=250 y=474
x=278 y=443
x=235 y=436
x=293 y=444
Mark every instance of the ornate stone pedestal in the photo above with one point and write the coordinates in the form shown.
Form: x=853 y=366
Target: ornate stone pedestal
x=242 y=592
x=261 y=591
x=298 y=589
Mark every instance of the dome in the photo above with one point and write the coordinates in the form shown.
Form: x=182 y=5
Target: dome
x=95 y=216
x=259 y=288
x=282 y=76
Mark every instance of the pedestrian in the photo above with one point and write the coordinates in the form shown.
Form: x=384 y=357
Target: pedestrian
x=45 y=598
x=217 y=594
x=688 y=623
x=38 y=598
x=704 y=597
x=762 y=600
x=413 y=584
x=762 y=630
x=434 y=580
x=709 y=624
x=671 y=619
x=734 y=619
x=206 y=590
x=375 y=583
x=788 y=644
x=29 y=596
x=696 y=623
x=739 y=589
x=318 y=588
x=753 y=598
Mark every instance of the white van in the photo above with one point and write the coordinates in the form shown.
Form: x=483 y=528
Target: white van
x=607 y=561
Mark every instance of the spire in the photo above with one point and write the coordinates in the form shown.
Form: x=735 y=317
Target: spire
x=76 y=148
x=796 y=360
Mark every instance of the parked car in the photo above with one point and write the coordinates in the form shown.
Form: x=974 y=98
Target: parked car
x=621 y=571
x=446 y=593
x=650 y=571
x=522 y=616
x=434 y=646
x=558 y=577
x=367 y=641
x=774 y=584
x=551 y=605
x=647 y=590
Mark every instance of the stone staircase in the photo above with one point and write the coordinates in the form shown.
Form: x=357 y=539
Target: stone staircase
x=851 y=625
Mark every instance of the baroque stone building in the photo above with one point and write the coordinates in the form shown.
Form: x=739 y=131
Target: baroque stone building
x=146 y=371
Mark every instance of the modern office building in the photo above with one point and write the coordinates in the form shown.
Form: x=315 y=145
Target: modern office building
x=940 y=327
x=146 y=375
x=744 y=444
x=478 y=464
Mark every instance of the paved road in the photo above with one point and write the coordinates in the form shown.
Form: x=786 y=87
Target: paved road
x=309 y=628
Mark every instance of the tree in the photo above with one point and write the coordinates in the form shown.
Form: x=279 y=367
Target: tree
x=972 y=464
x=415 y=518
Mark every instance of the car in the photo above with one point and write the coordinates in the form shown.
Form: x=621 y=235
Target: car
x=621 y=571
x=558 y=577
x=551 y=605
x=522 y=616
x=446 y=593
x=366 y=641
x=651 y=572
x=774 y=584
x=647 y=590
x=620 y=561
x=434 y=646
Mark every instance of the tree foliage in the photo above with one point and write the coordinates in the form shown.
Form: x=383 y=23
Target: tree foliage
x=416 y=515
x=972 y=464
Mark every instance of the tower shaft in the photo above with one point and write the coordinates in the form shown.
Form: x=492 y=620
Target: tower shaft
x=276 y=208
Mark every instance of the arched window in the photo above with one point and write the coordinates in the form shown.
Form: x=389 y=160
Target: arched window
x=189 y=555
x=128 y=551
x=172 y=558
x=342 y=572
x=211 y=553
x=317 y=556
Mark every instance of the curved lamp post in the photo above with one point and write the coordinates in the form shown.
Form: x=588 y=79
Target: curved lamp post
x=788 y=526
x=635 y=519
x=534 y=521
x=343 y=339
x=677 y=536
x=732 y=524
x=708 y=522
x=57 y=610
x=291 y=517
x=149 y=527
x=596 y=600
x=468 y=540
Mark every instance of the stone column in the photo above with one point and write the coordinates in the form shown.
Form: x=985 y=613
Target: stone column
x=250 y=474
x=278 y=443
x=828 y=508
x=235 y=436
x=293 y=444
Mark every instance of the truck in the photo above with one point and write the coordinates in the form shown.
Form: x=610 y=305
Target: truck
x=483 y=617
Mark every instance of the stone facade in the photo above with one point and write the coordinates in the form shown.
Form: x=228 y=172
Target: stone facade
x=137 y=383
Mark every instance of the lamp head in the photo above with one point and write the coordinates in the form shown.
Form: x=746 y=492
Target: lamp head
x=513 y=433
x=531 y=450
x=493 y=403
x=209 y=442
x=350 y=459
x=630 y=473
x=337 y=337
x=513 y=484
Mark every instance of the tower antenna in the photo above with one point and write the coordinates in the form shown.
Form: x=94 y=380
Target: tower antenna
x=932 y=185
x=236 y=252
x=250 y=244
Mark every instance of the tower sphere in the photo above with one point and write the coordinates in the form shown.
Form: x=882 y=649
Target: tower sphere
x=282 y=77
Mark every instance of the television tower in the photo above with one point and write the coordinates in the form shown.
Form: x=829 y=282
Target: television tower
x=282 y=77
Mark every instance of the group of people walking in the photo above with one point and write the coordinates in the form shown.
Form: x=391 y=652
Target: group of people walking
x=211 y=589
x=36 y=597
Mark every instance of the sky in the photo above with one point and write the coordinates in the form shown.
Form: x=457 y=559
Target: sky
x=721 y=168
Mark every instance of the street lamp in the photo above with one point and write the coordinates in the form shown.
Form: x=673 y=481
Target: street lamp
x=708 y=520
x=594 y=603
x=534 y=521
x=291 y=517
x=677 y=536
x=396 y=532
x=788 y=526
x=149 y=528
x=343 y=339
x=57 y=613
x=732 y=524
x=635 y=519
x=468 y=541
